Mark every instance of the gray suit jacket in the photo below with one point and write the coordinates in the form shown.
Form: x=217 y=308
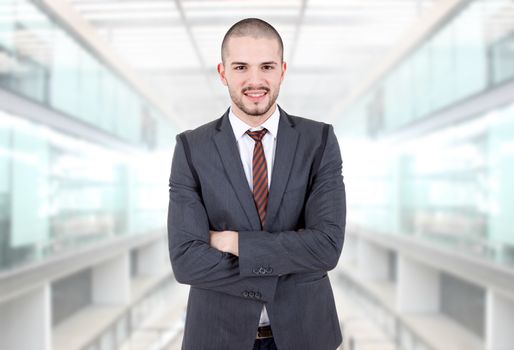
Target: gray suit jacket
x=284 y=265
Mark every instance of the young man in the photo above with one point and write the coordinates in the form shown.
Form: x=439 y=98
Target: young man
x=257 y=212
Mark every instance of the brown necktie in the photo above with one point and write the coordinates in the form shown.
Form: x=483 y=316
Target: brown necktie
x=260 y=174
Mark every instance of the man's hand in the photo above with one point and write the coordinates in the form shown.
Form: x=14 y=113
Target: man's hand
x=226 y=241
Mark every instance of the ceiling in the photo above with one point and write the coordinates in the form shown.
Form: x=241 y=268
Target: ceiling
x=329 y=46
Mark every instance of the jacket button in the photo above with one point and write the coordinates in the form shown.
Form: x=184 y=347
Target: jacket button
x=256 y=271
x=258 y=295
x=262 y=271
x=245 y=294
x=251 y=294
x=269 y=270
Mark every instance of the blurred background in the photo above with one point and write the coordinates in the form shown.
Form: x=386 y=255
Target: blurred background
x=421 y=95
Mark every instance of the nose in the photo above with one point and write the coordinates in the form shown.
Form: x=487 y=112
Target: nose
x=254 y=76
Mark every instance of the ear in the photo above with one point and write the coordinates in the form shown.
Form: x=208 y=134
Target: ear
x=284 y=68
x=221 y=72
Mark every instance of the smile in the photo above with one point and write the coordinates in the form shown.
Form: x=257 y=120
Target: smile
x=255 y=95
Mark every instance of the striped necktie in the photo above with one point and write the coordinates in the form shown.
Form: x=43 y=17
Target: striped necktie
x=260 y=175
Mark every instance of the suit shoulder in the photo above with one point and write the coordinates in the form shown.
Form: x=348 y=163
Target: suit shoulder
x=202 y=132
x=309 y=128
x=307 y=123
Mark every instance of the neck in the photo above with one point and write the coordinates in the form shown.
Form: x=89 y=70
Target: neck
x=253 y=120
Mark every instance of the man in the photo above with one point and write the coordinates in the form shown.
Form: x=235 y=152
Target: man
x=257 y=212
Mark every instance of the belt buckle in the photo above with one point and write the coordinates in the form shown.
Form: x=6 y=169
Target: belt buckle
x=264 y=332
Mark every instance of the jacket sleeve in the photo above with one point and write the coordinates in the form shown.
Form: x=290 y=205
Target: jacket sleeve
x=193 y=260
x=318 y=246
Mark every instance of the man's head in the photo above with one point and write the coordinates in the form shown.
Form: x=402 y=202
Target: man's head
x=252 y=67
x=255 y=28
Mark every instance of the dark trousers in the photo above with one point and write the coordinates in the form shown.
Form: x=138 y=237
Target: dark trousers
x=264 y=344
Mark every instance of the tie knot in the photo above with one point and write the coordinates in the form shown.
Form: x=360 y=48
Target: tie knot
x=257 y=135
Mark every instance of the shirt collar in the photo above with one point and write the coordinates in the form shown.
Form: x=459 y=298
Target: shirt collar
x=240 y=127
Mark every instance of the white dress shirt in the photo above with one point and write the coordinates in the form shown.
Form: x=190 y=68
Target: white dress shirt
x=246 y=145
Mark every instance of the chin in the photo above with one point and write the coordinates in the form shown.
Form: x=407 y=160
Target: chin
x=259 y=110
x=258 y=113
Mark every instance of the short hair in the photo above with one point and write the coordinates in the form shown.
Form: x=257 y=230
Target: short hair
x=255 y=28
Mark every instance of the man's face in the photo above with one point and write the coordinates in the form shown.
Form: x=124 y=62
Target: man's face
x=253 y=73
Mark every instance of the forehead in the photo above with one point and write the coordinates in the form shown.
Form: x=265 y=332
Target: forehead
x=250 y=49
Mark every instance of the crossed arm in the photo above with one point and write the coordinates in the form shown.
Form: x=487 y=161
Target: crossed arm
x=225 y=241
x=226 y=261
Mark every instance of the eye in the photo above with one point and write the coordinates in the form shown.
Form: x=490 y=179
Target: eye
x=238 y=67
x=268 y=67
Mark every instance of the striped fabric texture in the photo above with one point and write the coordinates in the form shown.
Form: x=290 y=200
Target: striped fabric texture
x=260 y=174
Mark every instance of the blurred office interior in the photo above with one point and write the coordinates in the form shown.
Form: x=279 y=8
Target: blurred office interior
x=421 y=95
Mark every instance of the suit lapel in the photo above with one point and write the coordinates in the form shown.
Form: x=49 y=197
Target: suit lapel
x=229 y=153
x=287 y=140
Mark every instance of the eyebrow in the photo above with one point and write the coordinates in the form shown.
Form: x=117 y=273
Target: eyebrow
x=244 y=63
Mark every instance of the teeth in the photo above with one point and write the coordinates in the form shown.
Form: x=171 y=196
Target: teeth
x=256 y=95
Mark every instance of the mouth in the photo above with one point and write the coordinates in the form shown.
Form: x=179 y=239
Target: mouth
x=255 y=95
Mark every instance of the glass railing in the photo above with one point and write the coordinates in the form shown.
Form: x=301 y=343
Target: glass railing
x=42 y=61
x=59 y=192
x=452 y=187
x=118 y=334
x=403 y=336
x=469 y=54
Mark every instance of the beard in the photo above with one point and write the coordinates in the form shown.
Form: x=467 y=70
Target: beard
x=250 y=108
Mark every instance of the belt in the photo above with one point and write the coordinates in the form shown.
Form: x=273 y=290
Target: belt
x=264 y=332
